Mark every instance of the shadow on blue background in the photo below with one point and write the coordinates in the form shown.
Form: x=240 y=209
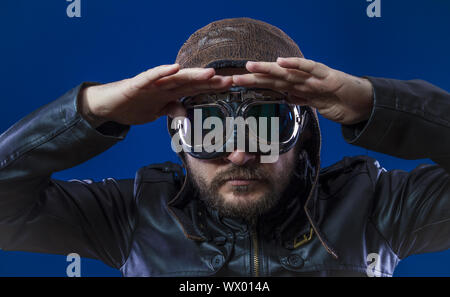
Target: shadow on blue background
x=44 y=53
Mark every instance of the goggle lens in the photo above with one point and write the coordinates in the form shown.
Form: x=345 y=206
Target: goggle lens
x=216 y=123
x=266 y=114
x=208 y=122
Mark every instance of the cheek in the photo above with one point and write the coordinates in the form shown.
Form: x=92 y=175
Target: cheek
x=276 y=170
x=282 y=167
x=204 y=169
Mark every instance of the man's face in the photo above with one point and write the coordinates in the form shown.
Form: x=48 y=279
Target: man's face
x=239 y=185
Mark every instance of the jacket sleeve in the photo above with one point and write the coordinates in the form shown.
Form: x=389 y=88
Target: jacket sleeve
x=410 y=120
x=41 y=214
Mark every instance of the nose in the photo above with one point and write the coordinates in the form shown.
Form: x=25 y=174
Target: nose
x=240 y=158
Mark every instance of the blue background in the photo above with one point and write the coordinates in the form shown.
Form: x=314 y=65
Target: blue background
x=44 y=53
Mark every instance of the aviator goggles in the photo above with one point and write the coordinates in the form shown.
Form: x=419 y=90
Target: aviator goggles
x=255 y=120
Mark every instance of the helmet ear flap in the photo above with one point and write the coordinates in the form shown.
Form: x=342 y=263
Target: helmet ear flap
x=304 y=171
x=305 y=133
x=170 y=127
x=302 y=147
x=172 y=131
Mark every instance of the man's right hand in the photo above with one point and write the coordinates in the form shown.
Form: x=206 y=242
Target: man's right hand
x=149 y=95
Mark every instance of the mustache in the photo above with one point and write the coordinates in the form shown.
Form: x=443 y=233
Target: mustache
x=239 y=172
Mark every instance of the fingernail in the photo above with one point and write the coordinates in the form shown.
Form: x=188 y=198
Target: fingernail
x=280 y=59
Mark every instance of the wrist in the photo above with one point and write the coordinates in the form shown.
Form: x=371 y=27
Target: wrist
x=364 y=99
x=86 y=107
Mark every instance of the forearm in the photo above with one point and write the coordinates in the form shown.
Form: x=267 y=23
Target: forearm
x=52 y=138
x=409 y=119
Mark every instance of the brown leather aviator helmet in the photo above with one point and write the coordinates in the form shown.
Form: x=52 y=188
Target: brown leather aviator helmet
x=231 y=43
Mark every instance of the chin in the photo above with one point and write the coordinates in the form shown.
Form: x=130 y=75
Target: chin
x=241 y=198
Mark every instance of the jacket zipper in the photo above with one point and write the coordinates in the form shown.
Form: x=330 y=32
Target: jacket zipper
x=255 y=252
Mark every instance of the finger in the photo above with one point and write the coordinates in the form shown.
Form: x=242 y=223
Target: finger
x=184 y=76
x=309 y=66
x=261 y=80
x=215 y=84
x=298 y=100
x=153 y=74
x=310 y=99
x=272 y=68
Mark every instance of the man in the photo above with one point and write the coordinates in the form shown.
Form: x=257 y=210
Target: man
x=231 y=214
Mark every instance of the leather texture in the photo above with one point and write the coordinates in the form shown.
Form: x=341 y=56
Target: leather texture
x=152 y=225
x=236 y=39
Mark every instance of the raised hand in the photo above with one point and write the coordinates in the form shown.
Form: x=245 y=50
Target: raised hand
x=336 y=95
x=149 y=95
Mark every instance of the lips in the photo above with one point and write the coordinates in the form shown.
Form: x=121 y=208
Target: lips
x=240 y=181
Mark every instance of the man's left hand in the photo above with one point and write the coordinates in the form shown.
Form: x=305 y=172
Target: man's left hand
x=336 y=95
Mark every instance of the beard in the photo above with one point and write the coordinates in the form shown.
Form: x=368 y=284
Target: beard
x=249 y=210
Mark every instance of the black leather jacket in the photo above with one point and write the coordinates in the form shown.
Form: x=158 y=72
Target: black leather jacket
x=152 y=225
